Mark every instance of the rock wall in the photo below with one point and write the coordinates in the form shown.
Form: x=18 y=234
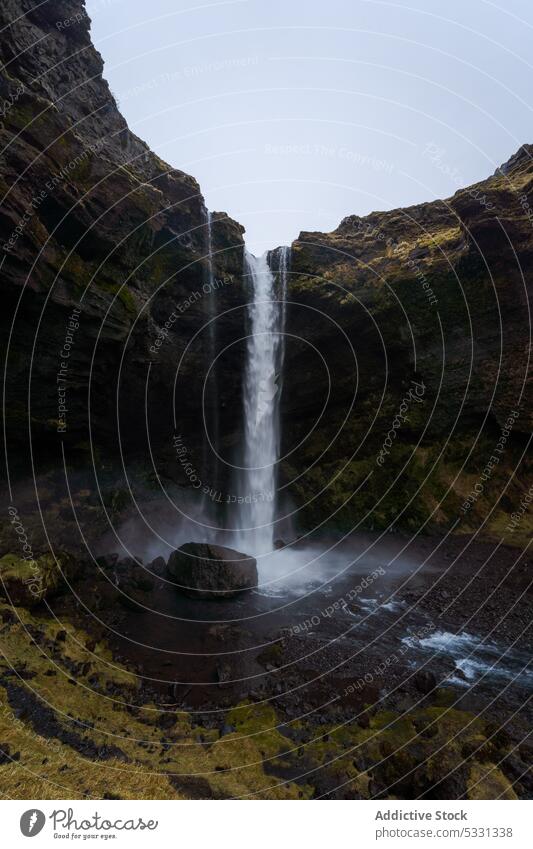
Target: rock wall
x=92 y=220
x=103 y=265
x=420 y=323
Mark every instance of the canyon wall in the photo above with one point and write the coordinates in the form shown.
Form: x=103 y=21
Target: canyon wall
x=105 y=277
x=407 y=365
x=407 y=354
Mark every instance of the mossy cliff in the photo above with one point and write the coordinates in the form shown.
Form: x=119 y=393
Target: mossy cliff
x=412 y=367
x=92 y=220
x=104 y=268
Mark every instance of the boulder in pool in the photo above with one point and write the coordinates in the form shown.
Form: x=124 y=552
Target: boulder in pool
x=201 y=570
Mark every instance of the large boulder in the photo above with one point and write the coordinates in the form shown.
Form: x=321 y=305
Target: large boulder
x=211 y=571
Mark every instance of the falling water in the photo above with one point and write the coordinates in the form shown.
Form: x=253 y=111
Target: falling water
x=211 y=401
x=262 y=389
x=281 y=257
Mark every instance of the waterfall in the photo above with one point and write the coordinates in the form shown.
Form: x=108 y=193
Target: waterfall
x=211 y=412
x=262 y=390
x=282 y=258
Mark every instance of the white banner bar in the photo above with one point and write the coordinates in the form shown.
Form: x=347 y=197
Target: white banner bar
x=250 y=825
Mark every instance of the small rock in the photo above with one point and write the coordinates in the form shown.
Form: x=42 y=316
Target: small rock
x=363 y=720
x=107 y=561
x=5 y=754
x=425 y=681
x=142 y=580
x=158 y=566
x=223 y=672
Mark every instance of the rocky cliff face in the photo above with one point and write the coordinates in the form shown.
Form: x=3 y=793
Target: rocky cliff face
x=407 y=361
x=412 y=369
x=104 y=268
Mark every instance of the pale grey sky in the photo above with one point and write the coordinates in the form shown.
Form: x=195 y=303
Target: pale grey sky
x=294 y=114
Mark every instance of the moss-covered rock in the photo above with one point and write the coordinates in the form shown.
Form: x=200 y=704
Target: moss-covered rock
x=27 y=581
x=433 y=294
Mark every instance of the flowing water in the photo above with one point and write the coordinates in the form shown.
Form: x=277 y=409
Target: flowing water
x=211 y=400
x=262 y=390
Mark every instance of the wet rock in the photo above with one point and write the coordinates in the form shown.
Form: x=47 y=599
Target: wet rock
x=123 y=578
x=363 y=720
x=142 y=579
x=223 y=673
x=107 y=561
x=158 y=566
x=211 y=571
x=425 y=681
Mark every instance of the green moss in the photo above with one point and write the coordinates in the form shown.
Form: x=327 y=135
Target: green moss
x=28 y=581
x=123 y=294
x=117 y=500
x=486 y=781
x=272 y=655
x=251 y=762
x=191 y=758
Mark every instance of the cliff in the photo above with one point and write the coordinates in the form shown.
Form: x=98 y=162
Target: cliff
x=104 y=274
x=412 y=370
x=103 y=256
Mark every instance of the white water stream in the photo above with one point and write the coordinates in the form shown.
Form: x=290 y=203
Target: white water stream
x=262 y=390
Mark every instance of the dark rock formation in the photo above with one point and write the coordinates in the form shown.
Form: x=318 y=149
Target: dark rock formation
x=211 y=571
x=436 y=297
x=92 y=221
x=103 y=263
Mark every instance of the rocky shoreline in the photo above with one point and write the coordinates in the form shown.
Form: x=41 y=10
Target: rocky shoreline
x=318 y=682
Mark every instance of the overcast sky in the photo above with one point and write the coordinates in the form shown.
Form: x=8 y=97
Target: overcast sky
x=294 y=113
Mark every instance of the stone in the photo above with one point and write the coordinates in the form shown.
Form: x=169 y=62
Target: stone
x=107 y=561
x=425 y=681
x=211 y=571
x=223 y=673
x=158 y=566
x=142 y=579
x=5 y=754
